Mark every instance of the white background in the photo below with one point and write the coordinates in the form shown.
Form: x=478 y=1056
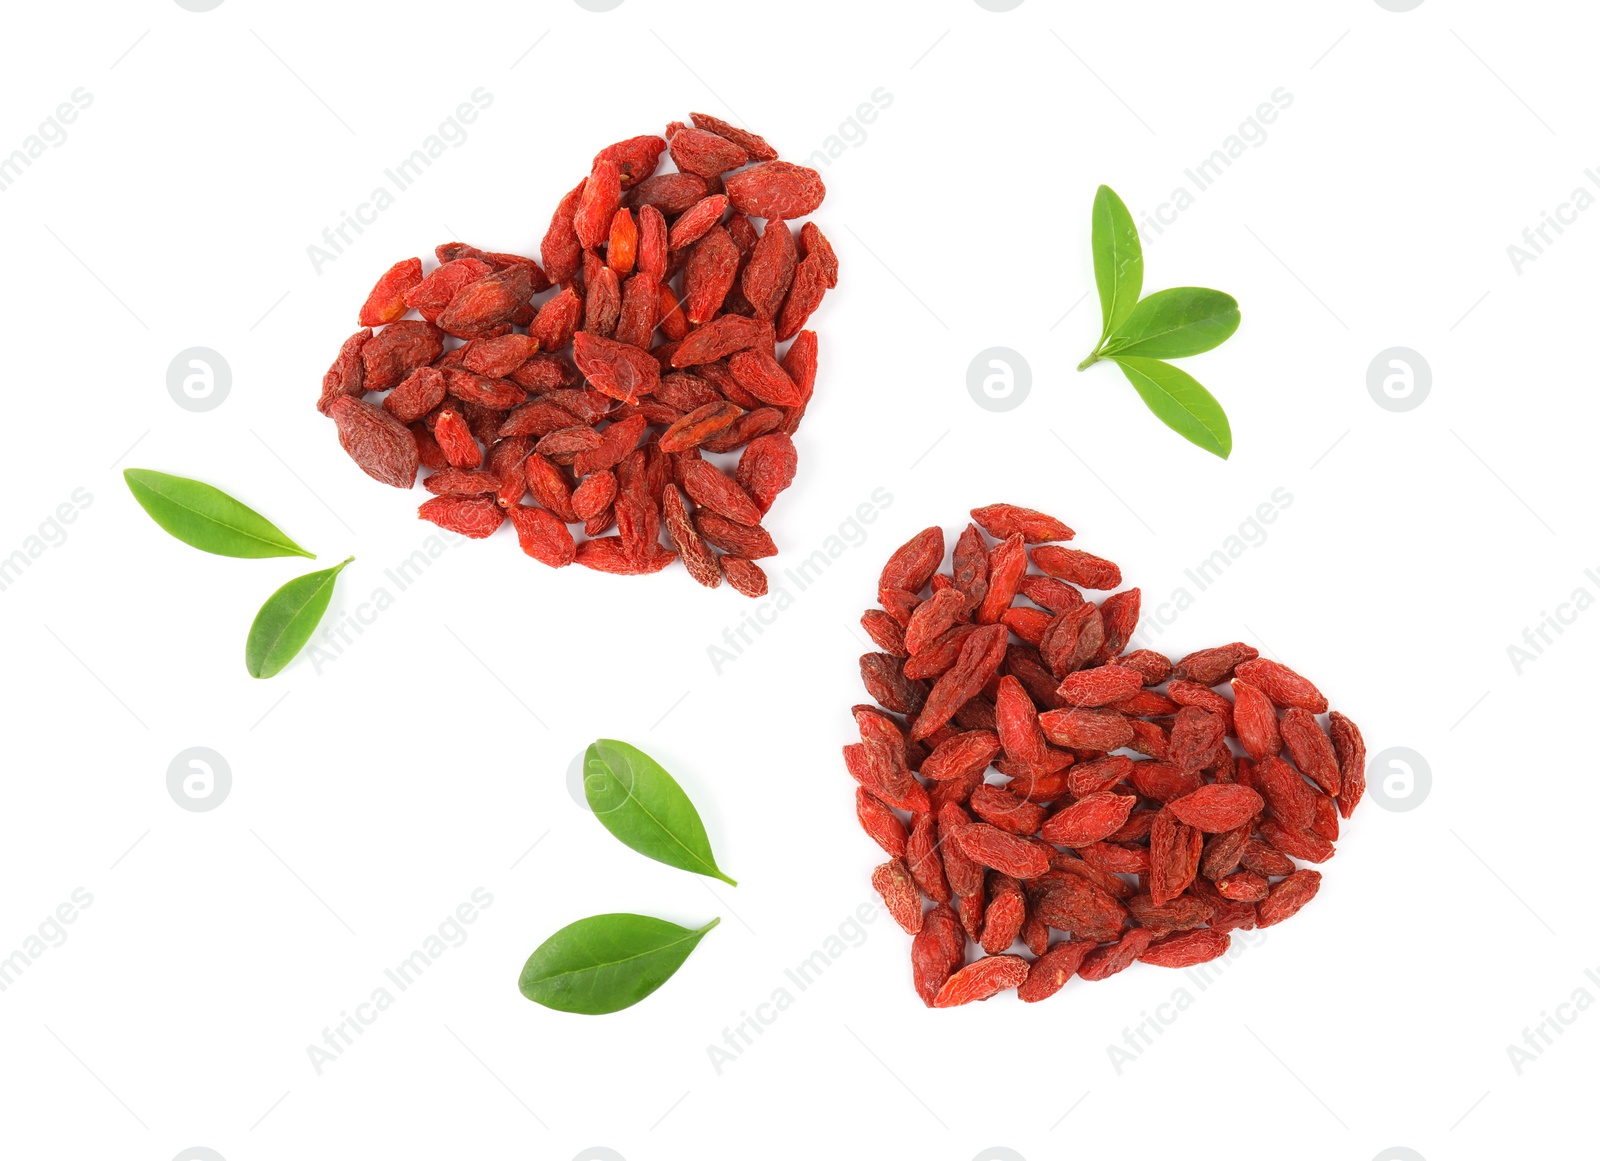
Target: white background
x=373 y=794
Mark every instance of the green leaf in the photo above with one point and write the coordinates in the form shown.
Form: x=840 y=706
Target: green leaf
x=606 y=962
x=208 y=519
x=640 y=803
x=285 y=623
x=1170 y=324
x=1179 y=402
x=1118 y=259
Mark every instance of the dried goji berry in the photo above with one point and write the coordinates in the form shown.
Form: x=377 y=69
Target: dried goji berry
x=978 y=981
x=1283 y=685
x=892 y=881
x=1104 y=962
x=1185 y=949
x=1310 y=748
x=992 y=847
x=1099 y=686
x=1052 y=969
x=387 y=301
x=923 y=859
x=1352 y=754
x=1005 y=520
x=1092 y=818
x=1210 y=667
x=1004 y=915
x=752 y=542
x=708 y=275
x=1080 y=568
x=936 y=952
x=1287 y=897
x=542 y=535
x=398 y=349
x=1216 y=808
x=755 y=146
x=775 y=189
x=474 y=516
x=635 y=159
x=380 y=444
x=770 y=270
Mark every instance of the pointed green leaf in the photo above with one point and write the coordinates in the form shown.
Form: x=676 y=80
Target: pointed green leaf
x=285 y=623
x=1179 y=402
x=206 y=518
x=1170 y=324
x=606 y=962
x=643 y=805
x=1118 y=259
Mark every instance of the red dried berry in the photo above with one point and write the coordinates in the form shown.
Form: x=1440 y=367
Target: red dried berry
x=775 y=189
x=1352 y=754
x=978 y=981
x=1048 y=973
x=387 y=301
x=1186 y=948
x=380 y=444
x=1080 y=568
x=597 y=205
x=1287 y=897
x=1217 y=808
x=936 y=952
x=1103 y=962
x=1089 y=820
x=473 y=516
x=755 y=146
x=1002 y=521
x=1283 y=685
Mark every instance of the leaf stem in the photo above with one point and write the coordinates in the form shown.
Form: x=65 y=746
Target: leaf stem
x=1094 y=357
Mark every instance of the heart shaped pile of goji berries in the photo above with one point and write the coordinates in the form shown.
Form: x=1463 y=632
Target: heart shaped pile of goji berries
x=673 y=303
x=1154 y=856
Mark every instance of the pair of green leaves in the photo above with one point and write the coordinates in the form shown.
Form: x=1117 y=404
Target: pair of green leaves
x=209 y=519
x=609 y=962
x=1139 y=333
